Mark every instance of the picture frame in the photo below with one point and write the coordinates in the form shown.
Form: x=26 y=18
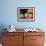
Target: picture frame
x=26 y=14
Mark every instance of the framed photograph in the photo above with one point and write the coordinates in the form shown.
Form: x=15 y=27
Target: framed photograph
x=26 y=14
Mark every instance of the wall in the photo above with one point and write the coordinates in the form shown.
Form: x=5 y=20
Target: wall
x=9 y=13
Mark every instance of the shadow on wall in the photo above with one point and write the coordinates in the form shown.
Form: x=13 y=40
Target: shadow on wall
x=2 y=26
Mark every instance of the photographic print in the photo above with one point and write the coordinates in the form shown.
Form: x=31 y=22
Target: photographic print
x=26 y=14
